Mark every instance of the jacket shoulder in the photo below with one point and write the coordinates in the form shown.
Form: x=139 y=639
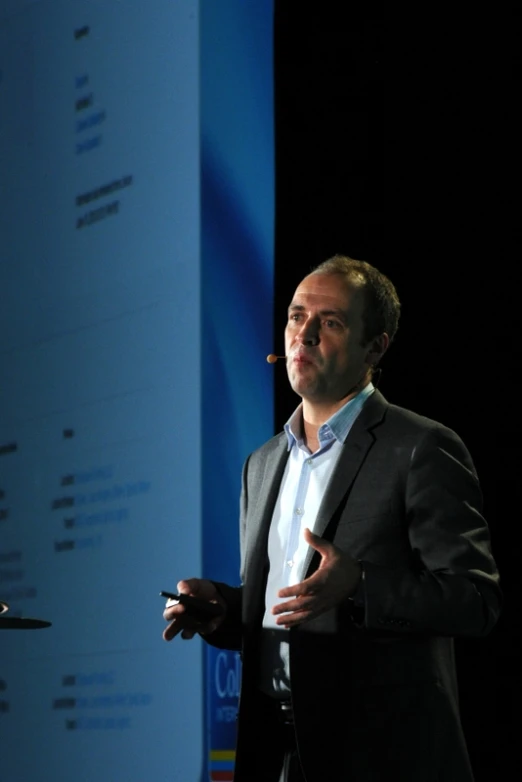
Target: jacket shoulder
x=405 y=421
x=276 y=444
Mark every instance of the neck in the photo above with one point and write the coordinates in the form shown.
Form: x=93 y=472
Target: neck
x=315 y=413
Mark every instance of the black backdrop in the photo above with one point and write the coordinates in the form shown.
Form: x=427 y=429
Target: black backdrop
x=397 y=141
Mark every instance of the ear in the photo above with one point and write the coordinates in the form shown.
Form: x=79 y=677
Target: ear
x=377 y=348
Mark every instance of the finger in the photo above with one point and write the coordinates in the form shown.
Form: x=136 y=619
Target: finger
x=171 y=631
x=297 y=604
x=188 y=586
x=302 y=589
x=293 y=619
x=173 y=612
x=283 y=608
x=297 y=591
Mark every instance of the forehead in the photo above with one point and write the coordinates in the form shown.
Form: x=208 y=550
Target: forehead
x=328 y=292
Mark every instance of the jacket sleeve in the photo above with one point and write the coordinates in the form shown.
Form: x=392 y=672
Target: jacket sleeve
x=229 y=635
x=452 y=586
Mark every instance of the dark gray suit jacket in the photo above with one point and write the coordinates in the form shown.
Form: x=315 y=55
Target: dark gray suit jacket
x=375 y=694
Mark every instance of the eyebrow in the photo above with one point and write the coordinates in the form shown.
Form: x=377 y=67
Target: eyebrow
x=323 y=313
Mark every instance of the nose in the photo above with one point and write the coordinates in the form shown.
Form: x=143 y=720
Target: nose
x=309 y=333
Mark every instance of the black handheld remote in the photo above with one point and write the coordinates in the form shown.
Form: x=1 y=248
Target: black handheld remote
x=200 y=610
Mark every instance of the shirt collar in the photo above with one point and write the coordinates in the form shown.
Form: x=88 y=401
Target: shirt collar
x=336 y=427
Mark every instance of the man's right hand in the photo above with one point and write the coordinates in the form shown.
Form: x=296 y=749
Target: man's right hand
x=180 y=622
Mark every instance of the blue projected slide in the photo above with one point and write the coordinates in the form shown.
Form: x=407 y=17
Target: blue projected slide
x=237 y=185
x=105 y=138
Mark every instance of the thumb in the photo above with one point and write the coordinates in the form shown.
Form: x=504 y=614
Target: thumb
x=323 y=547
x=315 y=541
x=192 y=586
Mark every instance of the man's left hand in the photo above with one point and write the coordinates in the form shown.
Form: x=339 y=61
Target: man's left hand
x=335 y=580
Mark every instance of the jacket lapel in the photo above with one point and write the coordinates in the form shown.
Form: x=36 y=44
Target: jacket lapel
x=355 y=448
x=265 y=499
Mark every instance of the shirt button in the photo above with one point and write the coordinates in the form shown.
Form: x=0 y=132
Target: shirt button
x=290 y=562
x=309 y=461
x=299 y=511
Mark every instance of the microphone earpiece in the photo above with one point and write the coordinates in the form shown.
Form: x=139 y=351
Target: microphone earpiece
x=272 y=358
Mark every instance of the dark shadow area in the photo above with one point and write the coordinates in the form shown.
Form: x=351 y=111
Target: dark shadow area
x=397 y=142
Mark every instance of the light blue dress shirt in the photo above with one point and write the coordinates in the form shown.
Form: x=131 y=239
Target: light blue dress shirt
x=302 y=488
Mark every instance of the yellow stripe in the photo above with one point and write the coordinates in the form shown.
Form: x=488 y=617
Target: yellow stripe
x=222 y=754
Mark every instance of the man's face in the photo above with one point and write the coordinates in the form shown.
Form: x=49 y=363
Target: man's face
x=324 y=346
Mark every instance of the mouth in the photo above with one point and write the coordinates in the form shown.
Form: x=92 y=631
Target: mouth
x=301 y=358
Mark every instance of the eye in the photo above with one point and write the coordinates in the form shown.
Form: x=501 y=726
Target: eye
x=332 y=324
x=295 y=316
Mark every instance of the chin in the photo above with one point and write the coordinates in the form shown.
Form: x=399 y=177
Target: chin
x=304 y=390
x=297 y=386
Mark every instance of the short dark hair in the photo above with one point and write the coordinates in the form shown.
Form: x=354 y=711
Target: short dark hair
x=382 y=306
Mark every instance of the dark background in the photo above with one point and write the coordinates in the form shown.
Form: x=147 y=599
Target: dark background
x=397 y=142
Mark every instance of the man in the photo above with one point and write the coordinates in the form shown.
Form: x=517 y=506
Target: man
x=363 y=553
